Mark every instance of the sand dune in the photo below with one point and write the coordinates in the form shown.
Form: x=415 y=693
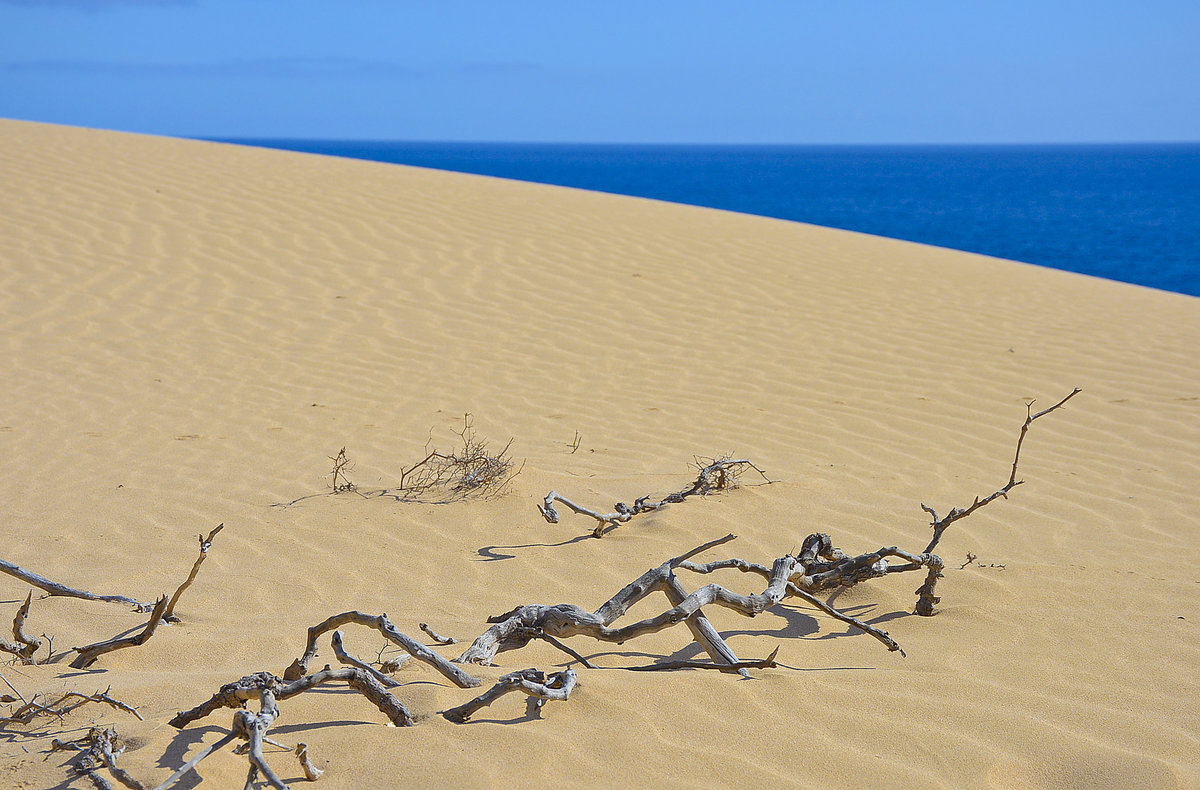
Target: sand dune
x=191 y=329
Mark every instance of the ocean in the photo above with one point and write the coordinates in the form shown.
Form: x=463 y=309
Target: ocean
x=1124 y=212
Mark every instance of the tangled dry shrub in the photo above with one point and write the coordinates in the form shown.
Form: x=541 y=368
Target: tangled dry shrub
x=469 y=470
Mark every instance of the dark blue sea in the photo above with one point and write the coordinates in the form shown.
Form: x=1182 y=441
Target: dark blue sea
x=1125 y=212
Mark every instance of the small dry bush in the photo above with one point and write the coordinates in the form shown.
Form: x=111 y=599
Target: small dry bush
x=471 y=469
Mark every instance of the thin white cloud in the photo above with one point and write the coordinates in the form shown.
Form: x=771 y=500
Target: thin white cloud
x=297 y=66
x=95 y=5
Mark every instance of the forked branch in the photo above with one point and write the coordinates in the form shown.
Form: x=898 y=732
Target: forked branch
x=939 y=524
x=383 y=625
x=532 y=682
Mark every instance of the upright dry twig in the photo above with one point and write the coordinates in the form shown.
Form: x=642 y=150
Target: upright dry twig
x=939 y=524
x=205 y=545
x=341 y=465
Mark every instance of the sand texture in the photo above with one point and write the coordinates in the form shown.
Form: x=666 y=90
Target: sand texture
x=188 y=331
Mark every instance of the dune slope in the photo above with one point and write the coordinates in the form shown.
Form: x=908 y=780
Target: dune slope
x=190 y=330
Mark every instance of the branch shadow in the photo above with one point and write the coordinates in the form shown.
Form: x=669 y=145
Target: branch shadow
x=533 y=712
x=491 y=553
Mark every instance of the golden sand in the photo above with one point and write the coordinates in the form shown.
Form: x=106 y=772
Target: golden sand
x=189 y=330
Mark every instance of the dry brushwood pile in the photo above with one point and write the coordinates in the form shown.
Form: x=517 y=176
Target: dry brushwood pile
x=810 y=574
x=470 y=469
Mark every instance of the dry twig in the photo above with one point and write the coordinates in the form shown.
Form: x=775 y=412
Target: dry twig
x=718 y=474
x=341 y=465
x=54 y=588
x=205 y=545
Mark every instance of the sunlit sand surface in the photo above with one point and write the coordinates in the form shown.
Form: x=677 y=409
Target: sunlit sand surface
x=190 y=330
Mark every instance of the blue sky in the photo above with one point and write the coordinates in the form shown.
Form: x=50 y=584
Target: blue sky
x=767 y=71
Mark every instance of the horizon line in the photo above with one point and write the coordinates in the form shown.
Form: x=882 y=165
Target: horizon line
x=675 y=144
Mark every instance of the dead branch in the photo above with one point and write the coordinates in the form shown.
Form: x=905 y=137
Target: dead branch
x=311 y=772
x=99 y=749
x=718 y=474
x=383 y=625
x=234 y=695
x=205 y=544
x=341 y=465
x=939 y=524
x=566 y=649
x=88 y=655
x=531 y=682
x=516 y=628
x=789 y=576
x=340 y=651
x=26 y=645
x=435 y=636
x=252 y=727
x=54 y=588
x=58 y=707
x=818 y=566
x=192 y=763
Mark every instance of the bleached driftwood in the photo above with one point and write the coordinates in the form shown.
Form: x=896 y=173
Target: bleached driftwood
x=435 y=636
x=88 y=655
x=99 y=749
x=339 y=650
x=27 y=644
x=252 y=727
x=717 y=475
x=233 y=695
x=532 y=682
x=54 y=588
x=818 y=566
x=383 y=625
x=205 y=545
x=311 y=772
x=269 y=690
x=515 y=628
